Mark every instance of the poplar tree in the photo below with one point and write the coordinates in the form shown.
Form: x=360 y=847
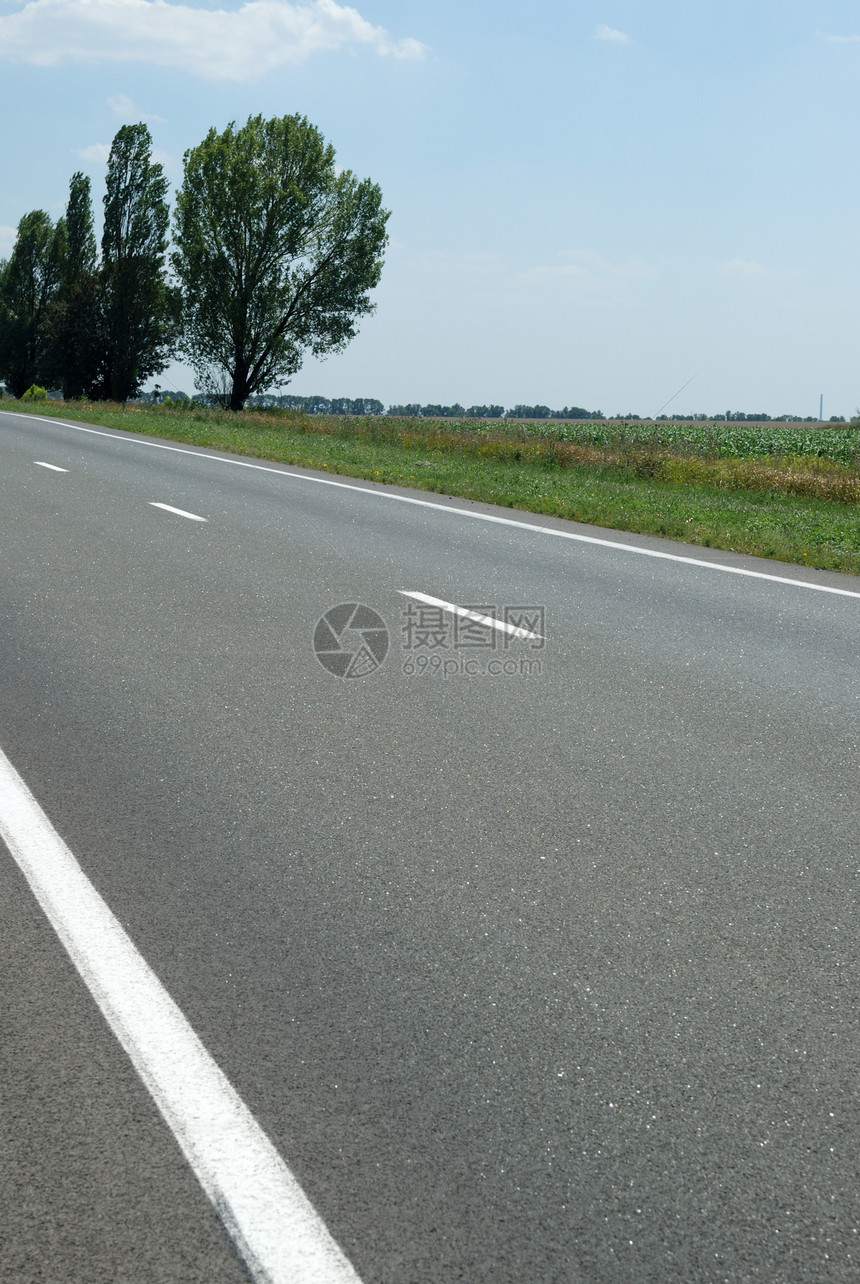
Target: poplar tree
x=29 y=282
x=138 y=307
x=74 y=341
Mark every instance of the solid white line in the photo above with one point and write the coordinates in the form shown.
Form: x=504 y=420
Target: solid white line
x=502 y=625
x=270 y=1219
x=180 y=512
x=55 y=468
x=460 y=512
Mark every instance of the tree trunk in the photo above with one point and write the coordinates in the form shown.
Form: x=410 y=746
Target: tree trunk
x=239 y=391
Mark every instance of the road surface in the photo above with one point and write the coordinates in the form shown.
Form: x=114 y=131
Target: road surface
x=538 y=972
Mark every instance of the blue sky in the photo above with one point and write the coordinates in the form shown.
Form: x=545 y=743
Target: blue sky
x=592 y=203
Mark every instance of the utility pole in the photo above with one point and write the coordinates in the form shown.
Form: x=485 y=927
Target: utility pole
x=821 y=407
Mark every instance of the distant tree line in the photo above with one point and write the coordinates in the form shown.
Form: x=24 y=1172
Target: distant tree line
x=320 y=405
x=415 y=411
x=275 y=251
x=370 y=406
x=737 y=416
x=544 y=412
x=734 y=416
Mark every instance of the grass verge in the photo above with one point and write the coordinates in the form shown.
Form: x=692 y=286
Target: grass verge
x=801 y=509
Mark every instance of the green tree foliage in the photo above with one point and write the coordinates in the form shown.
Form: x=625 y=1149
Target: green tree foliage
x=28 y=284
x=320 y=405
x=276 y=253
x=485 y=412
x=74 y=341
x=431 y=411
x=139 y=309
x=544 y=412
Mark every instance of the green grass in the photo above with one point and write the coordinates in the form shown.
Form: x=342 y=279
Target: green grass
x=718 y=500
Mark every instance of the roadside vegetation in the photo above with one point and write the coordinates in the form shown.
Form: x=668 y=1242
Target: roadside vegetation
x=787 y=491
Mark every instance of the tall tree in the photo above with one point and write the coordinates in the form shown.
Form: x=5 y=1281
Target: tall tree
x=28 y=284
x=80 y=239
x=139 y=308
x=74 y=339
x=276 y=253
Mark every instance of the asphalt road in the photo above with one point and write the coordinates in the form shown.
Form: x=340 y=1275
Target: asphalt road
x=546 y=975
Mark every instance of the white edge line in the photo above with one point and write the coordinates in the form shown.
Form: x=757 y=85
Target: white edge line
x=180 y=512
x=271 y=1221
x=449 y=508
x=55 y=468
x=516 y=631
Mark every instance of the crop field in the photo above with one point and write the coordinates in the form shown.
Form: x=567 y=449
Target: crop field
x=784 y=491
x=825 y=465
x=714 y=438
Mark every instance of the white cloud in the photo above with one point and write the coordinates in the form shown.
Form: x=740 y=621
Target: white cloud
x=602 y=32
x=752 y=270
x=96 y=153
x=8 y=236
x=748 y=268
x=841 y=40
x=744 y=267
x=557 y=270
x=590 y=268
x=123 y=106
x=217 y=44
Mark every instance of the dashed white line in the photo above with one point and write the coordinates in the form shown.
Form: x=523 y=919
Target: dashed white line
x=180 y=512
x=533 y=527
x=55 y=468
x=262 y=1206
x=515 y=630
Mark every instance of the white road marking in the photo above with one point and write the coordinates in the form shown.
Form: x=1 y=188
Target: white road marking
x=180 y=512
x=270 y=1219
x=502 y=625
x=459 y=512
x=55 y=468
